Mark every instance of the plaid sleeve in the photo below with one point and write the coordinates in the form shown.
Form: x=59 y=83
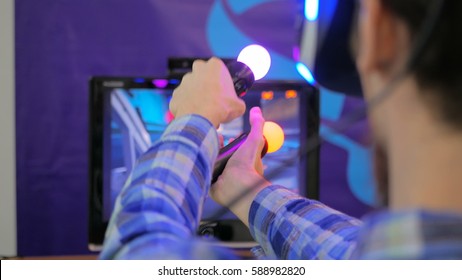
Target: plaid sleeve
x=158 y=210
x=288 y=226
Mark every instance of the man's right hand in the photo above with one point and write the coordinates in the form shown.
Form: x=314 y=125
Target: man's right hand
x=207 y=91
x=243 y=178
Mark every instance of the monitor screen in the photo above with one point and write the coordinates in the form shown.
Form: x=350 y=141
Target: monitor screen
x=129 y=114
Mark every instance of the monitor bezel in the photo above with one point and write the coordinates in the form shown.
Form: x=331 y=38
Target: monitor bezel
x=100 y=87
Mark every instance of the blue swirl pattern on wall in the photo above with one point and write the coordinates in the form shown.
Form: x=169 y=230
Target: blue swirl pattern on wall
x=359 y=169
x=359 y=165
x=239 y=6
x=226 y=40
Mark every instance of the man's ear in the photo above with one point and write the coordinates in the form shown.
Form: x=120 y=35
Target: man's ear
x=378 y=35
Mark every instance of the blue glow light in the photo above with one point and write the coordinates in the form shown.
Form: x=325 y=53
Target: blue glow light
x=305 y=73
x=311 y=9
x=139 y=80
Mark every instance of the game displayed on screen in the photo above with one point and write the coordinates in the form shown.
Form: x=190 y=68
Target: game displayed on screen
x=135 y=118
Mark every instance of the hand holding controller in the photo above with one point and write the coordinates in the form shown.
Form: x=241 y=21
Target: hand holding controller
x=226 y=152
x=243 y=79
x=209 y=91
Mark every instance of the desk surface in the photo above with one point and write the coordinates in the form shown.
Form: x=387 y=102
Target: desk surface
x=70 y=257
x=244 y=254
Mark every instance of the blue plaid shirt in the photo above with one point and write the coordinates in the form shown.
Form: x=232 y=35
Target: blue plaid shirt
x=157 y=214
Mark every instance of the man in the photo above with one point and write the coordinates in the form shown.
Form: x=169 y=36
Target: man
x=418 y=134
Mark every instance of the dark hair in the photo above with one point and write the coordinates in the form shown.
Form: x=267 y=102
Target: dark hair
x=440 y=67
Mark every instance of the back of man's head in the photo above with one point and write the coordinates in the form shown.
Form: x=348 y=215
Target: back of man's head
x=439 y=71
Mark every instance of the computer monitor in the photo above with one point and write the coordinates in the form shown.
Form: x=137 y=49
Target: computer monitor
x=128 y=114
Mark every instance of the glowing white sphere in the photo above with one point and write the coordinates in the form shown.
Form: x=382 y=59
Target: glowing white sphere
x=257 y=58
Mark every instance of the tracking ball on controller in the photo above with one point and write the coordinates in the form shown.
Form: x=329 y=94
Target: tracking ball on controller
x=274 y=135
x=252 y=64
x=256 y=58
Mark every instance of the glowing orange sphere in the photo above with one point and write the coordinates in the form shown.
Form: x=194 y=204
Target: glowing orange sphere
x=274 y=136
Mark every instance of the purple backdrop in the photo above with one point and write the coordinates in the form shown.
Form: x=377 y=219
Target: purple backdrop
x=60 y=44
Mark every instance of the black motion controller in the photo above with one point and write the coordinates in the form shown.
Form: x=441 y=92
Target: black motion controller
x=243 y=79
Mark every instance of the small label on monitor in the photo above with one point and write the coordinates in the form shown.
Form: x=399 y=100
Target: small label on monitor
x=113 y=84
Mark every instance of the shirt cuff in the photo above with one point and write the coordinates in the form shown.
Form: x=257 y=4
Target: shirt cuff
x=264 y=208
